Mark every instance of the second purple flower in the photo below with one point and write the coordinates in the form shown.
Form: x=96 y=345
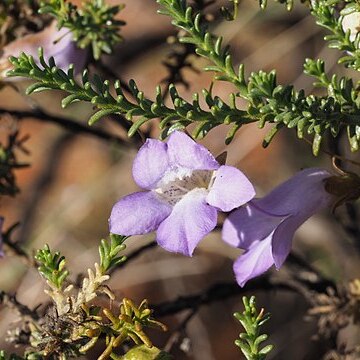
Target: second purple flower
x=265 y=227
x=185 y=187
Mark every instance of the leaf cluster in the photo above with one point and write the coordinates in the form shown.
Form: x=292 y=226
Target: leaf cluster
x=109 y=250
x=206 y=45
x=327 y=16
x=268 y=102
x=73 y=325
x=252 y=320
x=343 y=101
x=52 y=266
x=94 y=25
x=129 y=323
x=140 y=109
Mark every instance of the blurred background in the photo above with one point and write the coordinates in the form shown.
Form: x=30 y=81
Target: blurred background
x=75 y=178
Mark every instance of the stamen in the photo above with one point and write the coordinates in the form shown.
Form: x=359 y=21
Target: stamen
x=174 y=190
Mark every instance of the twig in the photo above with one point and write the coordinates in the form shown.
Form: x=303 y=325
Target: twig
x=11 y=301
x=175 y=63
x=175 y=336
x=223 y=291
x=65 y=123
x=18 y=250
x=217 y=292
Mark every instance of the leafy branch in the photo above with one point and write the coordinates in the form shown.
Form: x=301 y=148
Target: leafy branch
x=143 y=109
x=94 y=24
x=52 y=266
x=206 y=45
x=252 y=320
x=326 y=16
x=109 y=250
x=129 y=323
x=343 y=100
x=73 y=325
x=268 y=102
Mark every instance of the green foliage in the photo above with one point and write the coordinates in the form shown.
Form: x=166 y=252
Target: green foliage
x=284 y=106
x=343 y=101
x=268 y=102
x=325 y=12
x=94 y=24
x=252 y=320
x=109 y=251
x=129 y=324
x=73 y=325
x=207 y=45
x=52 y=266
x=142 y=109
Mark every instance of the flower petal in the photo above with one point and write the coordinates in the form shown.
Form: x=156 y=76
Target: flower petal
x=254 y=262
x=282 y=238
x=150 y=163
x=231 y=189
x=56 y=43
x=138 y=213
x=303 y=191
x=191 y=219
x=248 y=224
x=70 y=54
x=185 y=152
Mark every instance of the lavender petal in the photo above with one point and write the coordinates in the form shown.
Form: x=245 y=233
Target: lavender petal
x=138 y=213
x=248 y=224
x=191 y=219
x=231 y=189
x=254 y=261
x=150 y=163
x=185 y=152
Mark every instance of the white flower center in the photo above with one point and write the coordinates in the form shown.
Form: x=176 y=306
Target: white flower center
x=177 y=183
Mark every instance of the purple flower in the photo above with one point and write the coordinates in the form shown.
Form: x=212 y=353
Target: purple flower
x=185 y=186
x=1 y=240
x=55 y=43
x=264 y=228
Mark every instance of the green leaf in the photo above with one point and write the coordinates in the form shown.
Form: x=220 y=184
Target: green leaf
x=100 y=114
x=250 y=341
